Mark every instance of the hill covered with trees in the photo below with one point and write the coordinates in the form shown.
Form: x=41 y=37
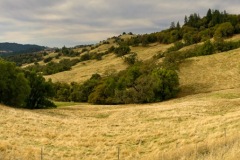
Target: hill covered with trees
x=7 y=49
x=151 y=78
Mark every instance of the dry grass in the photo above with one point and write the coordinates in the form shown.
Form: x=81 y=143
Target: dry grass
x=110 y=63
x=84 y=70
x=145 y=53
x=192 y=127
x=201 y=126
x=205 y=124
x=235 y=38
x=210 y=73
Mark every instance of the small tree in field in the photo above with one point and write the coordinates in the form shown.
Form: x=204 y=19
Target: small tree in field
x=122 y=50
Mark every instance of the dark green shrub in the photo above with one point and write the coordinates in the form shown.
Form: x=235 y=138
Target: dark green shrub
x=122 y=50
x=131 y=58
x=85 y=57
x=46 y=60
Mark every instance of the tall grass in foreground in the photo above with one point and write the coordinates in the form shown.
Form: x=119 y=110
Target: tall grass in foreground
x=225 y=148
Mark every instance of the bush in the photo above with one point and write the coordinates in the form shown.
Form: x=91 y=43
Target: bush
x=206 y=49
x=131 y=58
x=122 y=50
x=104 y=92
x=81 y=92
x=47 y=59
x=85 y=57
x=53 y=67
x=224 y=30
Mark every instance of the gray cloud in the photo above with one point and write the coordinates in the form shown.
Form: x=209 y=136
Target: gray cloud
x=73 y=22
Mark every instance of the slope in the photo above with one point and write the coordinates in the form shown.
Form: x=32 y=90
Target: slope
x=210 y=73
x=7 y=49
x=197 y=75
x=205 y=125
x=109 y=63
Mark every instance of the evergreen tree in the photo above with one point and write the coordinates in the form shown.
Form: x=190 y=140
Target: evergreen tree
x=209 y=15
x=185 y=20
x=172 y=26
x=178 y=26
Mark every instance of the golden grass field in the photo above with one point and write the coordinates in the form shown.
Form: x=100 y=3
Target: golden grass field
x=203 y=123
x=201 y=126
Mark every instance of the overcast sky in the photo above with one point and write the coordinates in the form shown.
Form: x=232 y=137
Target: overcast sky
x=55 y=23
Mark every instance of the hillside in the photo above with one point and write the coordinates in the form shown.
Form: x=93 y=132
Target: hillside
x=210 y=73
x=7 y=49
x=109 y=63
x=197 y=75
x=201 y=121
x=204 y=123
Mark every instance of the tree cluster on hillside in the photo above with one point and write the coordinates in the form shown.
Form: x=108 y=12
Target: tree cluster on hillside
x=172 y=57
x=21 y=59
x=25 y=89
x=53 y=67
x=69 y=52
x=195 y=29
x=122 y=50
x=140 y=83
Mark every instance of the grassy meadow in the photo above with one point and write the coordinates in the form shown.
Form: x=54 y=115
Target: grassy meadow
x=201 y=126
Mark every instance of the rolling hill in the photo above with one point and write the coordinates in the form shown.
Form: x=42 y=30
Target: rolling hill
x=193 y=72
x=203 y=123
x=7 y=49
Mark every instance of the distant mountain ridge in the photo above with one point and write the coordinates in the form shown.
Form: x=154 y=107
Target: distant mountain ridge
x=7 y=48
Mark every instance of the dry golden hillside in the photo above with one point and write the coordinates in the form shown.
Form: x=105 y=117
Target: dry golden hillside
x=109 y=63
x=203 y=123
x=197 y=75
x=210 y=73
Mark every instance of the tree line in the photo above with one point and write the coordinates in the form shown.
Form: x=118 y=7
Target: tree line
x=195 y=29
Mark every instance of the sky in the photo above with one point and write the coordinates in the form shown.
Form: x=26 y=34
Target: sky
x=55 y=23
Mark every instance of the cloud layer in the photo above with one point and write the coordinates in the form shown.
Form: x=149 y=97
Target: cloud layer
x=73 y=22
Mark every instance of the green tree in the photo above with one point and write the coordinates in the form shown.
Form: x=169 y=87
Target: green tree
x=131 y=59
x=14 y=87
x=209 y=15
x=224 y=30
x=41 y=90
x=166 y=83
x=172 y=26
x=104 y=92
x=122 y=50
x=206 y=49
x=81 y=93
